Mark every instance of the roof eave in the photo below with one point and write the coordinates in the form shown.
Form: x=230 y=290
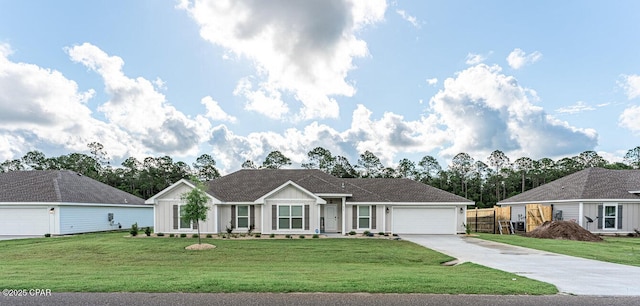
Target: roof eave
x=567 y=201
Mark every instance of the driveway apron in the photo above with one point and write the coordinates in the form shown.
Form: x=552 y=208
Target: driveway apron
x=571 y=275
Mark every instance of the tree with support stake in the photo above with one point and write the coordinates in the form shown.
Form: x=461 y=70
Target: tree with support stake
x=196 y=207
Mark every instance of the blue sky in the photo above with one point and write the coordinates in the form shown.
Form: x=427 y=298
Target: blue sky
x=239 y=79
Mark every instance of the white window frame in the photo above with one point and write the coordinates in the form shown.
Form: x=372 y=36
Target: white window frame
x=605 y=217
x=248 y=216
x=363 y=217
x=291 y=217
x=180 y=219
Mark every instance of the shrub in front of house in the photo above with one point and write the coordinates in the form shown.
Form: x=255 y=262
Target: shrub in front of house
x=301 y=236
x=381 y=233
x=257 y=235
x=209 y=236
x=272 y=235
x=366 y=233
x=352 y=233
x=172 y=235
x=287 y=236
x=147 y=231
x=47 y=235
x=134 y=229
x=194 y=236
x=160 y=234
x=183 y=235
x=315 y=236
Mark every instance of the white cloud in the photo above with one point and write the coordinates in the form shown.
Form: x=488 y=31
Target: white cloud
x=385 y=137
x=630 y=119
x=631 y=85
x=518 y=58
x=411 y=19
x=137 y=107
x=5 y=50
x=432 y=81
x=215 y=112
x=474 y=59
x=265 y=100
x=11 y=146
x=579 y=107
x=301 y=48
x=484 y=110
x=39 y=105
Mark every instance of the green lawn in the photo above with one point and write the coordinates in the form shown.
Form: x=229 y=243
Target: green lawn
x=110 y=262
x=622 y=250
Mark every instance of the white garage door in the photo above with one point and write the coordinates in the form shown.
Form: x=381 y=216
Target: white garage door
x=424 y=220
x=24 y=221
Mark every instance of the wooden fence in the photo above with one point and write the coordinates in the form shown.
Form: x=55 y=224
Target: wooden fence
x=485 y=220
x=536 y=215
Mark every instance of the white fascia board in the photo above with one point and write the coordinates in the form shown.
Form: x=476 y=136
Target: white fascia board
x=634 y=191
x=334 y=195
x=152 y=200
x=412 y=203
x=238 y=203
x=290 y=183
x=70 y=204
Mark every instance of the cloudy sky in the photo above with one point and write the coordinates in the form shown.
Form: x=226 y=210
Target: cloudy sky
x=239 y=79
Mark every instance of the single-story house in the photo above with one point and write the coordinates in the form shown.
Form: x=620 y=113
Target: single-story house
x=308 y=201
x=62 y=202
x=601 y=200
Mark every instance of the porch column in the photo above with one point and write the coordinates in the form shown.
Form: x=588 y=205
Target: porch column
x=343 y=217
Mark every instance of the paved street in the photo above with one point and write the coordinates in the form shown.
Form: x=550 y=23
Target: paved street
x=304 y=299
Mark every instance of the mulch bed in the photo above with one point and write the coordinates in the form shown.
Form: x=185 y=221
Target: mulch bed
x=562 y=230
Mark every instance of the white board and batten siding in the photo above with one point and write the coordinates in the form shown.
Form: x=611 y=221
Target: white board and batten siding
x=290 y=195
x=81 y=219
x=424 y=220
x=164 y=218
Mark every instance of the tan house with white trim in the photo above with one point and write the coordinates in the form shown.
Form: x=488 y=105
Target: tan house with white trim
x=306 y=201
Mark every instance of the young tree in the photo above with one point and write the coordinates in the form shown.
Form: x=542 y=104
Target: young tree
x=196 y=208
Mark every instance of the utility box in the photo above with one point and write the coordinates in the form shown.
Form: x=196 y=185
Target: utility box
x=110 y=217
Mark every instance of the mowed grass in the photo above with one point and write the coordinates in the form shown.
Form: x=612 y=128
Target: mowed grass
x=110 y=262
x=622 y=250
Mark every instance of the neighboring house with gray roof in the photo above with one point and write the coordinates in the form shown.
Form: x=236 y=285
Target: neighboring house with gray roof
x=309 y=201
x=62 y=202
x=610 y=198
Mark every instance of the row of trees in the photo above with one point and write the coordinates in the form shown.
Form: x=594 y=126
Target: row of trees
x=485 y=182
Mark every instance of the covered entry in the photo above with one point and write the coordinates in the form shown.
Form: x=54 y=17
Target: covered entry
x=424 y=220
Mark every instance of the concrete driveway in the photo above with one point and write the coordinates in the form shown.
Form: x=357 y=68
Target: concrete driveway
x=571 y=275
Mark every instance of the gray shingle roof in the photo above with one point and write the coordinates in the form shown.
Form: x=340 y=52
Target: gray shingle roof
x=247 y=185
x=588 y=184
x=59 y=186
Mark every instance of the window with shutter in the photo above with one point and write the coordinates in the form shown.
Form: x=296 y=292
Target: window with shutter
x=242 y=216
x=292 y=217
x=364 y=217
x=610 y=216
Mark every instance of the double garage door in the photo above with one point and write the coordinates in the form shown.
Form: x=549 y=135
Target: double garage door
x=424 y=220
x=24 y=221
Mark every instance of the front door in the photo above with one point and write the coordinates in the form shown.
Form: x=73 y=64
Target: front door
x=330 y=218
